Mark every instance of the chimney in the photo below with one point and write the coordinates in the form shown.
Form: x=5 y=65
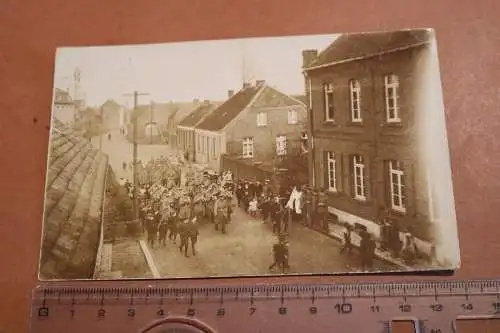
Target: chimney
x=246 y=85
x=230 y=93
x=308 y=56
x=260 y=83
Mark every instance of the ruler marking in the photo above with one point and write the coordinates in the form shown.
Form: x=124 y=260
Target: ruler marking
x=221 y=299
x=251 y=296
x=191 y=297
x=282 y=296
x=313 y=296
x=161 y=296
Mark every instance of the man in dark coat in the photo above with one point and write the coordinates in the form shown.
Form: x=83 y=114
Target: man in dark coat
x=280 y=254
x=367 y=250
x=277 y=215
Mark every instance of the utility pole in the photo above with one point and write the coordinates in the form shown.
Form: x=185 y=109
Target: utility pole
x=136 y=95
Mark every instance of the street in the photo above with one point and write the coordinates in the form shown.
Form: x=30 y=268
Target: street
x=246 y=249
x=120 y=150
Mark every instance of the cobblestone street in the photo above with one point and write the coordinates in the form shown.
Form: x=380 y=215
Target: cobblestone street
x=246 y=249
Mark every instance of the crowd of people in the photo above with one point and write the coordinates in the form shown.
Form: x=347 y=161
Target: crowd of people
x=172 y=207
x=175 y=198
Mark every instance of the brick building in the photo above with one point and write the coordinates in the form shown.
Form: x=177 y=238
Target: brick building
x=185 y=129
x=368 y=128
x=256 y=123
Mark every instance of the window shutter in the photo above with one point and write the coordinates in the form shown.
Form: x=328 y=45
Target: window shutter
x=346 y=174
x=367 y=179
x=387 y=184
x=339 y=159
x=407 y=172
x=324 y=182
x=352 y=176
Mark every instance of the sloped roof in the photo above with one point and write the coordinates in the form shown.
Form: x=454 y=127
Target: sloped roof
x=197 y=115
x=163 y=111
x=229 y=110
x=362 y=45
x=301 y=98
x=73 y=198
x=61 y=92
x=183 y=110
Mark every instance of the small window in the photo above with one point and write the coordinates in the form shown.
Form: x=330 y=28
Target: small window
x=355 y=89
x=281 y=145
x=331 y=171
x=248 y=147
x=329 y=109
x=392 y=98
x=261 y=119
x=359 y=178
x=292 y=117
x=397 y=186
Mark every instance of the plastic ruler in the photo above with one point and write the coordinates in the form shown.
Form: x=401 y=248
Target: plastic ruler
x=399 y=307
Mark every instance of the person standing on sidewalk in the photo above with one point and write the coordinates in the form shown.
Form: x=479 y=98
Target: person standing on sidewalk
x=348 y=246
x=367 y=250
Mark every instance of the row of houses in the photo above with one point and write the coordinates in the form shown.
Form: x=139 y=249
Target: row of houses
x=256 y=124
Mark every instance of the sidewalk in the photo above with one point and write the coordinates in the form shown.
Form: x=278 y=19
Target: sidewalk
x=337 y=232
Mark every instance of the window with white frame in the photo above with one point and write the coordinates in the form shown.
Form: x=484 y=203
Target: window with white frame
x=397 y=186
x=392 y=98
x=355 y=89
x=359 y=177
x=331 y=169
x=329 y=109
x=281 y=145
x=292 y=117
x=261 y=119
x=248 y=147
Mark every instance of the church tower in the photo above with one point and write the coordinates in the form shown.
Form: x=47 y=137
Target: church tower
x=78 y=96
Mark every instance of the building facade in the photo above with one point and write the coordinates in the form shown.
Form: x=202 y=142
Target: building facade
x=364 y=126
x=64 y=108
x=257 y=123
x=181 y=111
x=185 y=129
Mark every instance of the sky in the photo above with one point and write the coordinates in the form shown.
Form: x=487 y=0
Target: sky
x=185 y=71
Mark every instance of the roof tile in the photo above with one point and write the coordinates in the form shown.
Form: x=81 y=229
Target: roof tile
x=351 y=46
x=229 y=110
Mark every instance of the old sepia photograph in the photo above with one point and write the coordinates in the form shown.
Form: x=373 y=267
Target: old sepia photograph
x=322 y=154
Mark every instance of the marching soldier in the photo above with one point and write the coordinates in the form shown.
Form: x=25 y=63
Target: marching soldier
x=151 y=228
x=192 y=232
x=198 y=208
x=221 y=214
x=183 y=220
